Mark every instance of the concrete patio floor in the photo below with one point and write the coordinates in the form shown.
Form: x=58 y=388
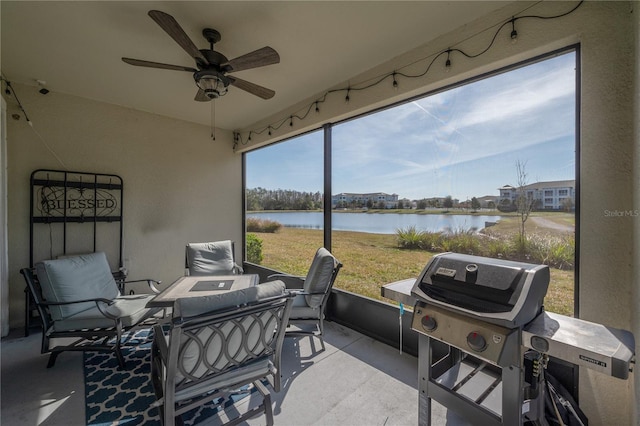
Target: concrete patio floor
x=354 y=380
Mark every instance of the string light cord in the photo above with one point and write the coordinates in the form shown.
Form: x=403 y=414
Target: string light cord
x=12 y=92
x=46 y=145
x=512 y=21
x=278 y=124
x=305 y=111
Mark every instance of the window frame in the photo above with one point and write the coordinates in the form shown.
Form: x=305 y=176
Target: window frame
x=327 y=131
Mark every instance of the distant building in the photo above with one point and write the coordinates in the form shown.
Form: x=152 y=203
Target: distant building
x=553 y=195
x=372 y=200
x=406 y=203
x=435 y=202
x=488 y=202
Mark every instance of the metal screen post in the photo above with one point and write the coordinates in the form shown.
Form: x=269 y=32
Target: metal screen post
x=424 y=376
x=327 y=186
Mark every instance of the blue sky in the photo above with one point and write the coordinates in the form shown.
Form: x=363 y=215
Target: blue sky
x=463 y=142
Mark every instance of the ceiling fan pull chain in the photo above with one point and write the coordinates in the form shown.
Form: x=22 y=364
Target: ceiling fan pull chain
x=213 y=119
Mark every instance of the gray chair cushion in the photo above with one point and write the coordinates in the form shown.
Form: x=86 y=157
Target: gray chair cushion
x=300 y=309
x=254 y=370
x=215 y=258
x=319 y=276
x=76 y=278
x=129 y=309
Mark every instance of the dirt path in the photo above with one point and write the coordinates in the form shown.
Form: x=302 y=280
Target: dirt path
x=546 y=223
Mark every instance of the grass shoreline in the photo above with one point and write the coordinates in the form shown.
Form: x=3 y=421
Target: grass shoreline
x=372 y=260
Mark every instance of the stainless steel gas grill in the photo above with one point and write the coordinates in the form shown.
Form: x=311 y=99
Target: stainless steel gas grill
x=490 y=314
x=509 y=294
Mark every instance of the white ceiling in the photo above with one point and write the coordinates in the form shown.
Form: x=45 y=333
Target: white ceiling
x=76 y=46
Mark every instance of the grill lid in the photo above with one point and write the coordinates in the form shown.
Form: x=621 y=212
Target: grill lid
x=502 y=292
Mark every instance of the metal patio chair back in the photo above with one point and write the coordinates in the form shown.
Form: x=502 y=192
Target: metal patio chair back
x=312 y=292
x=218 y=346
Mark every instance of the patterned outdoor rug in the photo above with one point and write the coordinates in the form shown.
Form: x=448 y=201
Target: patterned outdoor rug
x=117 y=397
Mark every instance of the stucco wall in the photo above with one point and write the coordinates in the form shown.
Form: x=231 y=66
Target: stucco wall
x=179 y=185
x=606 y=243
x=606 y=32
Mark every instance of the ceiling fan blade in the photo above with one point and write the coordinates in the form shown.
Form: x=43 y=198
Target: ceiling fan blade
x=201 y=97
x=252 y=88
x=171 y=27
x=255 y=59
x=141 y=63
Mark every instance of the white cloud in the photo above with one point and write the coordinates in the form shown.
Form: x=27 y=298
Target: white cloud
x=436 y=144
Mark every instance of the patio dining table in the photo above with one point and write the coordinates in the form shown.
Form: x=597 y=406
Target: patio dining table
x=203 y=285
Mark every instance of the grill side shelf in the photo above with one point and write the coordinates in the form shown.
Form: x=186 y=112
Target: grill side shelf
x=595 y=346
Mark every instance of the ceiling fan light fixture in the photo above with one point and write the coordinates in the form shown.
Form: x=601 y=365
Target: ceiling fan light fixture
x=212 y=85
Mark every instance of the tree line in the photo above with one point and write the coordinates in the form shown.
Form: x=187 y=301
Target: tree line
x=282 y=199
x=286 y=199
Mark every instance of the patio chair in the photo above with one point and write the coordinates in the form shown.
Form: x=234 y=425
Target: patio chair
x=213 y=258
x=218 y=344
x=312 y=292
x=78 y=298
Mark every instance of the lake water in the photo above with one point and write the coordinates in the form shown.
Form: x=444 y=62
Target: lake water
x=379 y=223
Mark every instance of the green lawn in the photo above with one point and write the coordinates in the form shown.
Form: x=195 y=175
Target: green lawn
x=372 y=260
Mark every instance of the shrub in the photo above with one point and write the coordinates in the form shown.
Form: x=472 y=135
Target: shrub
x=557 y=252
x=496 y=248
x=254 y=249
x=431 y=241
x=563 y=252
x=460 y=241
x=262 y=225
x=409 y=238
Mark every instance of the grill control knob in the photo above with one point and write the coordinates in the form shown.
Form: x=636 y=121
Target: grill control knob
x=476 y=341
x=429 y=323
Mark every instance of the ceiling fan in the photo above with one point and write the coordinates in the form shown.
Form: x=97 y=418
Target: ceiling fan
x=212 y=67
